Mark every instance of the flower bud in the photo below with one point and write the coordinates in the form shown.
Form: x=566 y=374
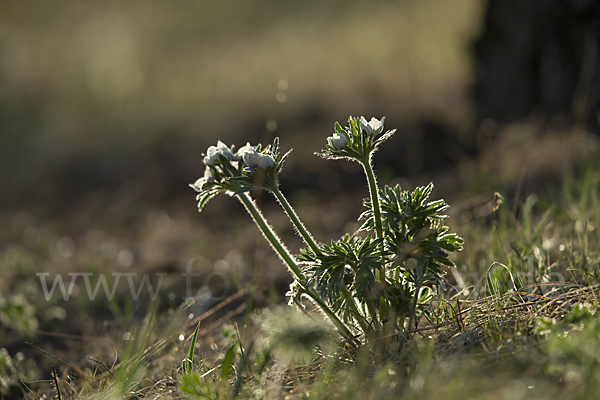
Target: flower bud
x=247 y=148
x=251 y=158
x=254 y=160
x=208 y=177
x=338 y=141
x=221 y=149
x=265 y=161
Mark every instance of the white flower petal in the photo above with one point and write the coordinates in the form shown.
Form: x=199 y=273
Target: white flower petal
x=364 y=125
x=251 y=158
x=373 y=127
x=254 y=160
x=247 y=148
x=221 y=149
x=265 y=161
x=208 y=177
x=197 y=186
x=338 y=141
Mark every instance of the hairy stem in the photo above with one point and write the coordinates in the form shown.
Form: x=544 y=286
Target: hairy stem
x=300 y=228
x=354 y=308
x=414 y=305
x=268 y=233
x=287 y=257
x=310 y=241
x=374 y=192
x=373 y=312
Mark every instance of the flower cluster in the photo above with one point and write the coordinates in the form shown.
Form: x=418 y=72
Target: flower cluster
x=221 y=162
x=357 y=141
x=214 y=152
x=238 y=171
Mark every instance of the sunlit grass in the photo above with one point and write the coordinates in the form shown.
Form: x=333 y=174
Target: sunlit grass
x=518 y=319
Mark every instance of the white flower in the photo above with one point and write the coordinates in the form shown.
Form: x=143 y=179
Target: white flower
x=254 y=160
x=374 y=126
x=265 y=161
x=338 y=141
x=251 y=158
x=221 y=149
x=208 y=177
x=245 y=149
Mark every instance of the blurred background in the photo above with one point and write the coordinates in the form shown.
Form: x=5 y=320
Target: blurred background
x=106 y=109
x=97 y=95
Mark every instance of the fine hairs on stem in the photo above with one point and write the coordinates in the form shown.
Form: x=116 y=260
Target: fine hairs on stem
x=285 y=255
x=308 y=238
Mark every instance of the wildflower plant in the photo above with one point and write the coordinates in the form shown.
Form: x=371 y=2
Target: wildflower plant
x=378 y=279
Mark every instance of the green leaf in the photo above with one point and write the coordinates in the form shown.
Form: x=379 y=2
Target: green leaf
x=227 y=362
x=364 y=282
x=194 y=384
x=243 y=361
x=205 y=196
x=188 y=363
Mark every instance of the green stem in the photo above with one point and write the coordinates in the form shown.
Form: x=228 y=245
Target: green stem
x=314 y=296
x=414 y=306
x=354 y=308
x=268 y=233
x=310 y=241
x=291 y=213
x=287 y=257
x=373 y=190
